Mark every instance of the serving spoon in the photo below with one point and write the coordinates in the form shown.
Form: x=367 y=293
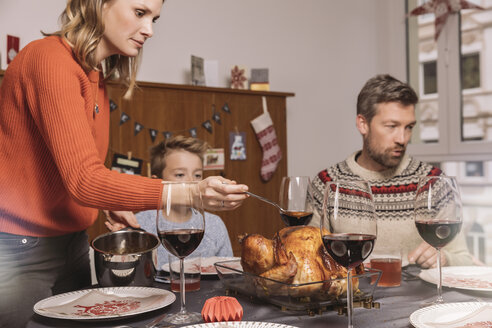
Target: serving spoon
x=268 y=201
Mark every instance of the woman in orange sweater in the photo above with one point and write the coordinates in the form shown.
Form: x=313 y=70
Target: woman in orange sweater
x=54 y=124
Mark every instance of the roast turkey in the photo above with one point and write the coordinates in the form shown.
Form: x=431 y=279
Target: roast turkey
x=295 y=255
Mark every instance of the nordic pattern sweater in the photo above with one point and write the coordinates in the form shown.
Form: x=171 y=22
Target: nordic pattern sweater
x=394 y=192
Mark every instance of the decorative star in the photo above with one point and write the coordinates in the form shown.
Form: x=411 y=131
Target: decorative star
x=238 y=78
x=442 y=9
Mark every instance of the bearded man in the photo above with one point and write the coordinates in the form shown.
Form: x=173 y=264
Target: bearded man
x=385 y=119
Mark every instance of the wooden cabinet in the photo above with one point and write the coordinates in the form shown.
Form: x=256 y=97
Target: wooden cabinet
x=177 y=108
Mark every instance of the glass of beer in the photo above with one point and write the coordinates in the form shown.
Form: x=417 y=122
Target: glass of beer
x=389 y=262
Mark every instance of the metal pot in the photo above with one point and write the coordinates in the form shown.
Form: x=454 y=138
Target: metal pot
x=125 y=258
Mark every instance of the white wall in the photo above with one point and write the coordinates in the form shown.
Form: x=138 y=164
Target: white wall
x=322 y=50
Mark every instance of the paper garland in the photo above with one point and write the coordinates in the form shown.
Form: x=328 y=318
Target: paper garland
x=138 y=127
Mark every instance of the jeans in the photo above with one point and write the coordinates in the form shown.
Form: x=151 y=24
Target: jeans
x=33 y=268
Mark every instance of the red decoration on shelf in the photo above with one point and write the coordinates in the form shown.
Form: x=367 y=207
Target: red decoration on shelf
x=222 y=308
x=442 y=9
x=238 y=78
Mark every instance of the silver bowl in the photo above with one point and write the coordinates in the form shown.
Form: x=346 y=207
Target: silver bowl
x=125 y=258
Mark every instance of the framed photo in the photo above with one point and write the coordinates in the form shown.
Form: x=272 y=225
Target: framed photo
x=237 y=146
x=214 y=159
x=123 y=164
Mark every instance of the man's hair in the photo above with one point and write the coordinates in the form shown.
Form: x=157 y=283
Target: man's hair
x=158 y=153
x=383 y=89
x=82 y=27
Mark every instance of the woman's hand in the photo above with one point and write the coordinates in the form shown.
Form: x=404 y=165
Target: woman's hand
x=117 y=220
x=426 y=256
x=221 y=194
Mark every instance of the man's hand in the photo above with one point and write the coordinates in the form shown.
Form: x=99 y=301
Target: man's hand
x=117 y=220
x=426 y=256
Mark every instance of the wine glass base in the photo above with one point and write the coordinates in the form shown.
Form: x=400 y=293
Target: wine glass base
x=434 y=302
x=184 y=317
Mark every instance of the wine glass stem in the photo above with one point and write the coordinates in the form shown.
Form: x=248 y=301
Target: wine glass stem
x=182 y=289
x=350 y=303
x=439 y=285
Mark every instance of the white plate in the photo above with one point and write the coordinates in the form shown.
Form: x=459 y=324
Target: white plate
x=465 y=277
x=207 y=264
x=240 y=324
x=453 y=315
x=104 y=303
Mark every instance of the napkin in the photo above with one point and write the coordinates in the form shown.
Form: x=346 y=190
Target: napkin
x=481 y=317
x=96 y=303
x=222 y=308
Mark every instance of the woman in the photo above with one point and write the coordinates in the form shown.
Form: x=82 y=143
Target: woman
x=54 y=122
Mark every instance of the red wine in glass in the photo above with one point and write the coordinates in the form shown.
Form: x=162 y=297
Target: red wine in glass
x=438 y=215
x=438 y=233
x=295 y=198
x=180 y=226
x=182 y=242
x=349 y=249
x=348 y=227
x=296 y=218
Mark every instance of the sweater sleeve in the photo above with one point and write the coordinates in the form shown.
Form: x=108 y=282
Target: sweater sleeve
x=55 y=86
x=457 y=253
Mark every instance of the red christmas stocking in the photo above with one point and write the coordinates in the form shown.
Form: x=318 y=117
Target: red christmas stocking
x=265 y=132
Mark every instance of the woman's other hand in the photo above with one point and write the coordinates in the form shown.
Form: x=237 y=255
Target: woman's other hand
x=117 y=220
x=221 y=194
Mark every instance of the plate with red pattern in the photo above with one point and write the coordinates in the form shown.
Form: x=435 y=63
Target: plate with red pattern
x=454 y=315
x=476 y=278
x=104 y=303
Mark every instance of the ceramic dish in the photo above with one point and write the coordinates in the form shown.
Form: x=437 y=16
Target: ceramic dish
x=453 y=315
x=240 y=324
x=104 y=303
x=473 y=278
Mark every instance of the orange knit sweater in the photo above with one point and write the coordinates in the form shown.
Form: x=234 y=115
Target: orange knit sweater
x=53 y=145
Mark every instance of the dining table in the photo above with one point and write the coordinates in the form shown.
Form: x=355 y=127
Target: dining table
x=394 y=305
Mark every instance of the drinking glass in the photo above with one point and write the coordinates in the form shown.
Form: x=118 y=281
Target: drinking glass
x=437 y=215
x=348 y=227
x=295 y=198
x=180 y=226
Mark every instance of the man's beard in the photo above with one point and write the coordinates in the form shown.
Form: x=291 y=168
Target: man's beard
x=383 y=157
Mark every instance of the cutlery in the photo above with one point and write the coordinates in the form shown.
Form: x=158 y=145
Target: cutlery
x=155 y=323
x=410 y=272
x=267 y=201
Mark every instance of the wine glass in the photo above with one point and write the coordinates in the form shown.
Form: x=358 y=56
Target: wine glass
x=295 y=198
x=180 y=226
x=348 y=227
x=437 y=215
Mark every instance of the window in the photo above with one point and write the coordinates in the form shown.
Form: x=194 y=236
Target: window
x=470 y=73
x=430 y=77
x=454 y=79
x=475 y=181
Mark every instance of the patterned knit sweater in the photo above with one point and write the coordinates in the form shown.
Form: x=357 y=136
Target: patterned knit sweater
x=394 y=192
x=53 y=144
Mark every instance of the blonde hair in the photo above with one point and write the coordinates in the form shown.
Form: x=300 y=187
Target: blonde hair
x=82 y=26
x=159 y=152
